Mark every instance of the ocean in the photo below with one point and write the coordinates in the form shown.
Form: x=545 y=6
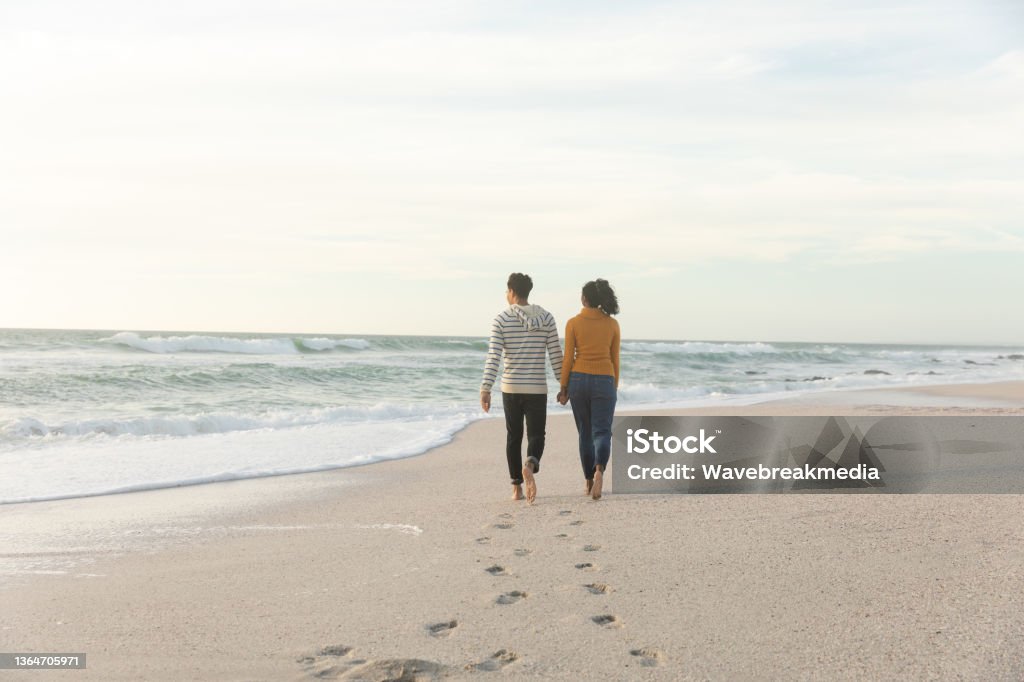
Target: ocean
x=99 y=412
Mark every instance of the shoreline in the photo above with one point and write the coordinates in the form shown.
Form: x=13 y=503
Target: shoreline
x=365 y=571
x=994 y=395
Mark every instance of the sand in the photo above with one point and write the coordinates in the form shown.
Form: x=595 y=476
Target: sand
x=422 y=568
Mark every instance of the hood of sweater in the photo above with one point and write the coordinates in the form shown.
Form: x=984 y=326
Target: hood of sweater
x=532 y=316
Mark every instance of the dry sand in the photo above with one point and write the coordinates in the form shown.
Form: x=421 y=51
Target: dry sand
x=422 y=567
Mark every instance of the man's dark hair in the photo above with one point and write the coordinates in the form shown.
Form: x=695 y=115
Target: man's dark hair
x=520 y=284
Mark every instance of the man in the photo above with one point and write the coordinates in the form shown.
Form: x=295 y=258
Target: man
x=521 y=333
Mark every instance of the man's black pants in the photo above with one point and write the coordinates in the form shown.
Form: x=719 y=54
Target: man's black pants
x=533 y=407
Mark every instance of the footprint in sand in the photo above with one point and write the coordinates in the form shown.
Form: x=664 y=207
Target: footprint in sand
x=511 y=597
x=483 y=541
x=338 y=662
x=597 y=588
x=329 y=661
x=607 y=621
x=591 y=548
x=498 y=660
x=337 y=650
x=648 y=657
x=577 y=522
x=442 y=629
x=496 y=570
x=506 y=522
x=586 y=566
x=522 y=552
x=564 y=512
x=562 y=535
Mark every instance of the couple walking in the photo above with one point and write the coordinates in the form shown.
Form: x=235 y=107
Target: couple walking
x=523 y=334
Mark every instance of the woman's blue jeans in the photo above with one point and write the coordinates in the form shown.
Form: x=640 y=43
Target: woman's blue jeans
x=593 y=403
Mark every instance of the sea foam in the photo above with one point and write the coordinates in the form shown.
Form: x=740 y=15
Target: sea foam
x=697 y=347
x=204 y=344
x=196 y=343
x=211 y=423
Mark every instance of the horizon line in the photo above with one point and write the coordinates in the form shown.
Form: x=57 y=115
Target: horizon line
x=472 y=336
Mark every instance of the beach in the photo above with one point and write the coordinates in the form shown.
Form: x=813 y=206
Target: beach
x=422 y=568
x=281 y=279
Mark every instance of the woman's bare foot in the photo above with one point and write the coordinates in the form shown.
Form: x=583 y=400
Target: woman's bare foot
x=517 y=493
x=529 y=483
x=590 y=484
x=595 y=490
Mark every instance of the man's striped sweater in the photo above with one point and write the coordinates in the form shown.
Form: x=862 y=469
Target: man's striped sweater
x=522 y=334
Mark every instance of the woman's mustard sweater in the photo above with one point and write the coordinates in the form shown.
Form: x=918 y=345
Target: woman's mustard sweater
x=591 y=345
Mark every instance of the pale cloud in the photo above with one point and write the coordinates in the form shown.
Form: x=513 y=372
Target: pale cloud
x=891 y=246
x=437 y=142
x=1009 y=65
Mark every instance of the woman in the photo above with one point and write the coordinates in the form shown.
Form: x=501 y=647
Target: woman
x=590 y=378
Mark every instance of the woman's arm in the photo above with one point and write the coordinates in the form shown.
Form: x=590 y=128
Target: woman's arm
x=569 y=356
x=615 y=353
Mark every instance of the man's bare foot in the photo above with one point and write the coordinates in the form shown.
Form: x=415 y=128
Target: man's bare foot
x=590 y=485
x=529 y=483
x=595 y=490
x=517 y=493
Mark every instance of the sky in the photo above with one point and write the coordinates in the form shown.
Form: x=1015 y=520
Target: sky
x=797 y=170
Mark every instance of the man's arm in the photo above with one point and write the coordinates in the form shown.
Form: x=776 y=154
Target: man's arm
x=554 y=348
x=570 y=354
x=567 y=363
x=495 y=349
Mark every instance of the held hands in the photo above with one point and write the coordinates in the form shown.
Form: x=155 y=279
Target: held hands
x=485 y=399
